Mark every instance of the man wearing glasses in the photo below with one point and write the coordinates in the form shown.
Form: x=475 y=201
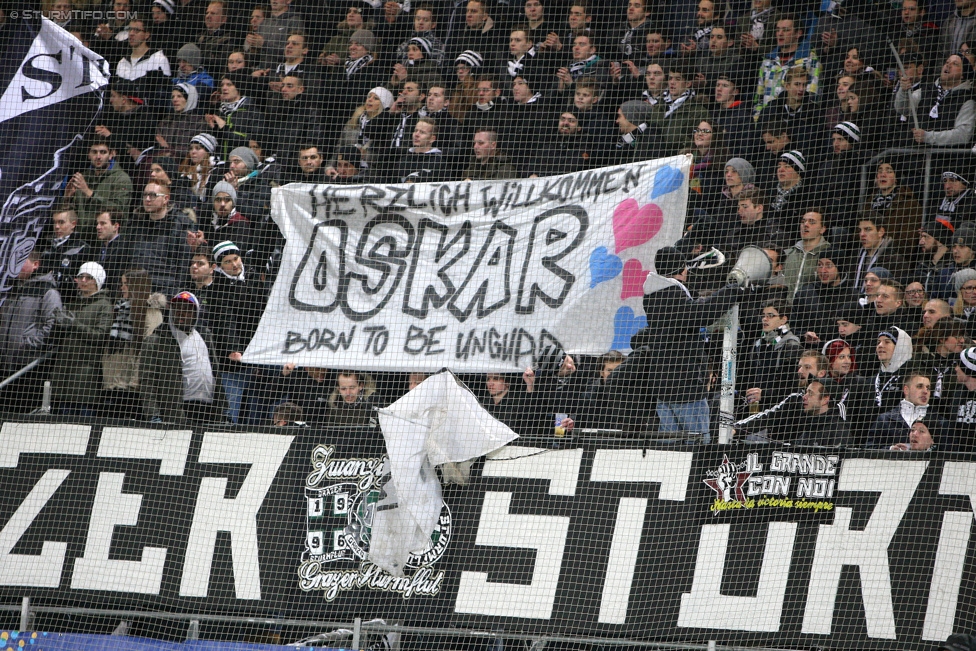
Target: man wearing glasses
x=141 y=61
x=159 y=239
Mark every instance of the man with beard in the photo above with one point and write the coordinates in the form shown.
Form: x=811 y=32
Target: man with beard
x=569 y=150
x=945 y=109
x=935 y=238
x=821 y=423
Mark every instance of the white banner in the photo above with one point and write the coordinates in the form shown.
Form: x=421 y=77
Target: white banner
x=472 y=276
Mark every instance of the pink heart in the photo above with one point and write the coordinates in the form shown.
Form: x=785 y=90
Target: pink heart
x=634 y=224
x=634 y=276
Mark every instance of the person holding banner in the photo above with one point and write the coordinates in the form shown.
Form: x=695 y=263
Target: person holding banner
x=674 y=323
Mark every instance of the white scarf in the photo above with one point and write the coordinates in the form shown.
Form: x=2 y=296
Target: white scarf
x=911 y=413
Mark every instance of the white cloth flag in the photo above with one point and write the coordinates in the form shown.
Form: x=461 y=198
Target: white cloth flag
x=437 y=422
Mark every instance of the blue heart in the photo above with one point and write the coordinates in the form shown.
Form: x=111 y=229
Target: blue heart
x=625 y=325
x=667 y=179
x=603 y=266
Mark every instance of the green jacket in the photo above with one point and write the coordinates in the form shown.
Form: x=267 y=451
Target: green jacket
x=800 y=267
x=676 y=130
x=77 y=375
x=112 y=190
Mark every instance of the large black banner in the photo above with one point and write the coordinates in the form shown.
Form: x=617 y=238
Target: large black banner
x=746 y=545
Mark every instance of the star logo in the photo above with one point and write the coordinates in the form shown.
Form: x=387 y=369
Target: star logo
x=727 y=481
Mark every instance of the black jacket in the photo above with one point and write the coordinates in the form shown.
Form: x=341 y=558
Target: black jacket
x=115 y=257
x=160 y=248
x=669 y=362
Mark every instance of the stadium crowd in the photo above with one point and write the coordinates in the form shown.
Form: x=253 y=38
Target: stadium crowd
x=150 y=283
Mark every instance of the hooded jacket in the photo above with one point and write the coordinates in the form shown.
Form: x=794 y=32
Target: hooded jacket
x=888 y=381
x=161 y=374
x=26 y=321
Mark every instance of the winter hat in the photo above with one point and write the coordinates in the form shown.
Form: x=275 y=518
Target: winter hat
x=128 y=89
x=365 y=38
x=636 y=111
x=94 y=270
x=385 y=96
x=247 y=155
x=191 y=54
x=796 y=160
x=968 y=73
x=962 y=277
x=849 y=130
x=839 y=257
x=968 y=360
x=422 y=43
x=880 y=272
x=223 y=249
x=853 y=313
x=959 y=173
x=190 y=93
x=669 y=261
x=470 y=58
x=224 y=186
x=888 y=334
x=206 y=141
x=350 y=154
x=745 y=169
x=186 y=297
x=835 y=347
x=965 y=235
x=166 y=5
x=940 y=229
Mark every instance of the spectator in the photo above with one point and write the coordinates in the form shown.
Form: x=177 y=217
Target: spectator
x=423 y=27
x=674 y=323
x=293 y=65
x=418 y=68
x=288 y=414
x=791 y=193
x=438 y=107
x=934 y=310
x=964 y=307
x=190 y=69
x=893 y=425
x=791 y=51
x=779 y=422
x=732 y=115
x=889 y=308
x=822 y=424
x=158 y=236
x=655 y=82
x=135 y=315
x=567 y=150
x=799 y=266
x=111 y=36
x=958 y=28
x=705 y=19
x=465 y=92
x=934 y=240
x=524 y=57
x=797 y=109
x=585 y=63
x=767 y=366
x=176 y=370
x=253 y=192
x=202 y=282
x=27 y=319
x=852 y=321
x=719 y=58
x=479 y=34
x=636 y=137
x=488 y=162
x=175 y=132
x=676 y=119
x=84 y=323
x=349 y=403
x=706 y=181
x=237 y=123
x=271 y=35
x=631 y=35
x=130 y=127
x=310 y=161
x=237 y=306
x=508 y=404
x=424 y=162
x=104 y=186
x=964 y=422
x=757 y=27
x=959 y=203
x=839 y=177
x=112 y=250
x=214 y=41
x=910 y=23
x=535 y=19
x=817 y=302
x=853 y=396
x=896 y=205
x=755 y=228
x=577 y=20
x=405 y=111
x=66 y=250
x=348 y=167
x=335 y=50
x=921 y=438
x=199 y=172
x=876 y=250
x=225 y=224
x=945 y=109
x=945 y=340
x=894 y=350
x=142 y=59
x=165 y=30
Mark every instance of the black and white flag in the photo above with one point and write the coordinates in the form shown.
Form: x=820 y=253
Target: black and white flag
x=52 y=91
